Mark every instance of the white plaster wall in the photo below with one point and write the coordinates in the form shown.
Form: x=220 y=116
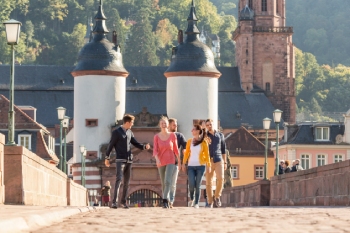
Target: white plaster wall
x=192 y=97
x=96 y=97
x=346 y=137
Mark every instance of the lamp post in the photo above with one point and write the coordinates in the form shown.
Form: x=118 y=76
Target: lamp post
x=277 y=114
x=95 y=194
x=91 y=192
x=83 y=154
x=13 y=29
x=65 y=127
x=61 y=112
x=266 y=125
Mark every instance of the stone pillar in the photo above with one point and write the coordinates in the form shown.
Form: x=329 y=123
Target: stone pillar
x=2 y=185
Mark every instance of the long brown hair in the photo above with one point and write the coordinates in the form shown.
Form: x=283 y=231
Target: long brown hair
x=202 y=135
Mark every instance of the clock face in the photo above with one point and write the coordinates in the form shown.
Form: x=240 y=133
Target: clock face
x=338 y=139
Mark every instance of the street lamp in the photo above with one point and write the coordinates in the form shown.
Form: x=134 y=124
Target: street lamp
x=65 y=123
x=13 y=29
x=61 y=112
x=266 y=125
x=82 y=151
x=277 y=114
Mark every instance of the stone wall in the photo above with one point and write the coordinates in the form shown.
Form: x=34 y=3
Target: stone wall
x=2 y=186
x=30 y=180
x=255 y=194
x=327 y=185
x=76 y=194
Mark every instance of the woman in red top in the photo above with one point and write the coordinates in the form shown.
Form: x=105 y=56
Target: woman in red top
x=166 y=152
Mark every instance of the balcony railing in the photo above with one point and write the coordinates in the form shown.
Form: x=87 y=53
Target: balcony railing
x=273 y=29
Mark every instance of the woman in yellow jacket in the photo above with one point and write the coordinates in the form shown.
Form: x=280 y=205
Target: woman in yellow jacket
x=198 y=160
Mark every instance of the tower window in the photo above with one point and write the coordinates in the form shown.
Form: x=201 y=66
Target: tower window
x=246 y=62
x=246 y=51
x=263 y=5
x=277 y=10
x=267 y=87
x=250 y=4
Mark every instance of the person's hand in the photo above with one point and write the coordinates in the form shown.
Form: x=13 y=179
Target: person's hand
x=147 y=146
x=107 y=163
x=179 y=166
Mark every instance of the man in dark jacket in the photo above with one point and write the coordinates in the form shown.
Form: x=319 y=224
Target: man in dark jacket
x=121 y=141
x=217 y=151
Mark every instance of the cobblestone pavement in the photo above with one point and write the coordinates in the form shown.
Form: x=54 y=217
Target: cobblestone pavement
x=269 y=219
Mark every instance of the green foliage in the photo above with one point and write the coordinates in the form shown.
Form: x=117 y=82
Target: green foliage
x=53 y=37
x=321 y=28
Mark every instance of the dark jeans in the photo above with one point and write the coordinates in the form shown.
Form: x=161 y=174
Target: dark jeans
x=123 y=170
x=195 y=177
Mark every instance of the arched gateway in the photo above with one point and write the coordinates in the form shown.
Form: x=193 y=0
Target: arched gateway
x=144 y=198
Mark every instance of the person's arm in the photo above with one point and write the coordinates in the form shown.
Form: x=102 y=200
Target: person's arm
x=182 y=141
x=112 y=143
x=136 y=143
x=187 y=152
x=206 y=153
x=175 y=146
x=223 y=150
x=155 y=145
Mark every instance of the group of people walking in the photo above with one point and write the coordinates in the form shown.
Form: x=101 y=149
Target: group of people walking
x=204 y=153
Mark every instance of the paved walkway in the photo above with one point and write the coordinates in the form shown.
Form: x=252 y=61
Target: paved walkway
x=280 y=219
x=17 y=218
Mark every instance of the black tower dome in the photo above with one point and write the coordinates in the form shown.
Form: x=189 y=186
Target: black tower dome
x=192 y=57
x=100 y=56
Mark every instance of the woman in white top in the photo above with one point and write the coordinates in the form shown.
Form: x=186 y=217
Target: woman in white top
x=198 y=158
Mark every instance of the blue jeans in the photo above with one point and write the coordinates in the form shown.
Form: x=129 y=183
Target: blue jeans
x=166 y=177
x=195 y=177
x=173 y=184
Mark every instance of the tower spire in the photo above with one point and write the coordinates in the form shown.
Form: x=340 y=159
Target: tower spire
x=100 y=18
x=192 y=29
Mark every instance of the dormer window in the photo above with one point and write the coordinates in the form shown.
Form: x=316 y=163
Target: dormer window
x=25 y=140
x=322 y=134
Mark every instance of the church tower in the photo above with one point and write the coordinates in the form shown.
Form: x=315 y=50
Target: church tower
x=192 y=79
x=265 y=53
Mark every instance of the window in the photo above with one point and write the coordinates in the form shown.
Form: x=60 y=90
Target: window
x=277 y=10
x=259 y=172
x=267 y=87
x=322 y=134
x=91 y=122
x=321 y=160
x=25 y=141
x=235 y=171
x=338 y=158
x=305 y=161
x=263 y=5
x=250 y=4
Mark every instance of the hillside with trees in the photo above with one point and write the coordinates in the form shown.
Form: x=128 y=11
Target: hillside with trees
x=53 y=30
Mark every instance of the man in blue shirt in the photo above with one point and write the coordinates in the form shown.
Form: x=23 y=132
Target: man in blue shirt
x=121 y=141
x=181 y=142
x=217 y=151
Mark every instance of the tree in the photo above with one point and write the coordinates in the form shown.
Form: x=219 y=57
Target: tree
x=141 y=47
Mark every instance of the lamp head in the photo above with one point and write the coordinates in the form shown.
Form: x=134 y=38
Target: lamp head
x=266 y=123
x=84 y=154
x=13 y=30
x=82 y=148
x=277 y=114
x=65 y=122
x=61 y=112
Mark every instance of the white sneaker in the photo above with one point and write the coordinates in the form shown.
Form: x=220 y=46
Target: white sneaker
x=190 y=204
x=196 y=206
